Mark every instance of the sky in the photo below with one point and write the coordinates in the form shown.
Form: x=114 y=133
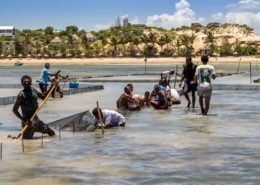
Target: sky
x=101 y=14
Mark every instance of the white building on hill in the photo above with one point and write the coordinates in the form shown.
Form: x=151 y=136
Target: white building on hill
x=7 y=30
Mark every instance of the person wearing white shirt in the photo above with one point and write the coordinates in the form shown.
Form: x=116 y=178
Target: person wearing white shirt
x=110 y=118
x=203 y=75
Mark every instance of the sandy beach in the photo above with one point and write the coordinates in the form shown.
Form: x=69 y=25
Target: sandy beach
x=123 y=61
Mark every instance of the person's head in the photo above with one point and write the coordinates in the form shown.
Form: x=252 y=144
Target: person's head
x=131 y=87
x=127 y=90
x=95 y=113
x=157 y=87
x=204 y=59
x=26 y=81
x=188 y=60
x=164 y=83
x=147 y=94
x=47 y=65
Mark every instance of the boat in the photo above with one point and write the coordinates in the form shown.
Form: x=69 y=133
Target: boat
x=18 y=63
x=83 y=121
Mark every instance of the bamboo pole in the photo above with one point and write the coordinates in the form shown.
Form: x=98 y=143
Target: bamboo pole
x=250 y=71
x=59 y=132
x=1 y=151
x=175 y=80
x=100 y=119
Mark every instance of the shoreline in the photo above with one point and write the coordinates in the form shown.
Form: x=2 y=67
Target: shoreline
x=124 y=61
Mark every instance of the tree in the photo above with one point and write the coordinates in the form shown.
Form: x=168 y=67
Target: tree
x=48 y=30
x=71 y=30
x=226 y=47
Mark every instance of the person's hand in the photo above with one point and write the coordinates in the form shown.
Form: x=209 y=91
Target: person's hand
x=67 y=76
x=193 y=82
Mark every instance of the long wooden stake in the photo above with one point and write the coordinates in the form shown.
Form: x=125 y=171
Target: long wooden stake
x=1 y=148
x=59 y=132
x=100 y=119
x=42 y=141
x=238 y=65
x=35 y=113
x=250 y=73
x=175 y=80
x=22 y=145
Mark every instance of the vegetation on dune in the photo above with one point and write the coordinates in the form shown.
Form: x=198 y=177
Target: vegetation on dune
x=132 y=41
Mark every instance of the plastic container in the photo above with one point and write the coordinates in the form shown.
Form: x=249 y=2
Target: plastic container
x=73 y=85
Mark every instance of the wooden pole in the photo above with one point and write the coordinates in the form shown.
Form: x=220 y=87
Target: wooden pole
x=59 y=132
x=250 y=73
x=1 y=151
x=100 y=119
x=238 y=65
x=42 y=141
x=22 y=144
x=73 y=128
x=175 y=80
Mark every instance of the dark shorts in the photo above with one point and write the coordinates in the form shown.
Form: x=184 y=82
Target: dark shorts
x=37 y=126
x=43 y=87
x=190 y=87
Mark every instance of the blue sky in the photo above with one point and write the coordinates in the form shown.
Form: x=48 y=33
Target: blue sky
x=99 y=14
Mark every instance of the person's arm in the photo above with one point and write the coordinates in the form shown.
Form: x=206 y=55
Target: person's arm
x=16 y=106
x=55 y=74
x=213 y=73
x=195 y=79
x=182 y=78
x=64 y=77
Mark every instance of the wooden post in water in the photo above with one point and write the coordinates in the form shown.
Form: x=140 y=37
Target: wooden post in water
x=42 y=141
x=175 y=80
x=1 y=151
x=22 y=144
x=73 y=128
x=59 y=131
x=250 y=73
x=238 y=65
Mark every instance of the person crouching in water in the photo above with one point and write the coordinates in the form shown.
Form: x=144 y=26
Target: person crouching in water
x=159 y=100
x=109 y=117
x=54 y=80
x=27 y=100
x=143 y=100
x=127 y=102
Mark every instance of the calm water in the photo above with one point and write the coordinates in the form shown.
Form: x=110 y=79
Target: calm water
x=12 y=74
x=176 y=146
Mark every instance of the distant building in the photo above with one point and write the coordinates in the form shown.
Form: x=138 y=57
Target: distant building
x=8 y=47
x=90 y=37
x=7 y=30
x=118 y=22
x=125 y=21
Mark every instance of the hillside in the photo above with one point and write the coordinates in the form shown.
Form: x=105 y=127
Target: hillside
x=133 y=41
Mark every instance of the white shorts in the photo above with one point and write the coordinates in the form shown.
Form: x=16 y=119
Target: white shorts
x=204 y=92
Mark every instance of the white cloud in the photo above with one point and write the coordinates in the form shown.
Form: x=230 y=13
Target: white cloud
x=183 y=15
x=242 y=12
x=134 y=20
x=244 y=5
x=218 y=17
x=102 y=26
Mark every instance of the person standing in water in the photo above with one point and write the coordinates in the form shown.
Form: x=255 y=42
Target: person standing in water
x=203 y=75
x=187 y=76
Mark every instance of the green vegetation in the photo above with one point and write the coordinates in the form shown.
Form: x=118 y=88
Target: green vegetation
x=126 y=41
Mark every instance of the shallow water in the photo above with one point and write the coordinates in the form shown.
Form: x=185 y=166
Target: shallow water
x=12 y=74
x=176 y=146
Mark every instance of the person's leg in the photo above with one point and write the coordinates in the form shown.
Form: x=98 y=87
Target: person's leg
x=42 y=87
x=207 y=102
x=193 y=93
x=28 y=134
x=41 y=127
x=186 y=91
x=201 y=104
